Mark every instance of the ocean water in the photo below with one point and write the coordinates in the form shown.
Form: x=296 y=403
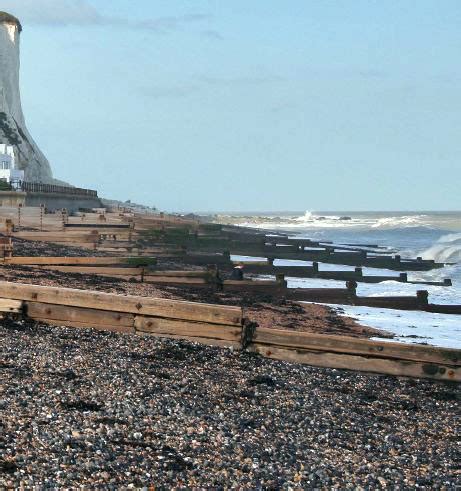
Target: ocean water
x=432 y=235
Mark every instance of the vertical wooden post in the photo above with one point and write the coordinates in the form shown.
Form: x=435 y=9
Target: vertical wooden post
x=42 y=207
x=237 y=273
x=351 y=285
x=130 y=233
x=8 y=251
x=96 y=239
x=19 y=215
x=64 y=218
x=9 y=226
x=422 y=297
x=280 y=278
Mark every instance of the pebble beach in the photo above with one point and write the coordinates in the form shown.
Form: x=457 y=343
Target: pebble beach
x=80 y=407
x=174 y=345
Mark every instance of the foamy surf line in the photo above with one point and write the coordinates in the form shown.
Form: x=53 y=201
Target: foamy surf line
x=411 y=326
x=432 y=236
x=446 y=249
x=311 y=220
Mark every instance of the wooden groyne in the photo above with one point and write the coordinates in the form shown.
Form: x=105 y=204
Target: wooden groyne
x=268 y=268
x=191 y=242
x=134 y=233
x=143 y=269
x=224 y=326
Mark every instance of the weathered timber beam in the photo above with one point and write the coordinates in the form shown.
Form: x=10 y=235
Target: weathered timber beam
x=10 y=306
x=366 y=347
x=401 y=368
x=195 y=329
x=159 y=307
x=89 y=261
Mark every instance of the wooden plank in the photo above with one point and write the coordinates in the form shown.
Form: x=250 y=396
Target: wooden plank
x=80 y=317
x=177 y=280
x=208 y=341
x=170 y=277
x=251 y=283
x=159 y=326
x=326 y=295
x=366 y=347
x=54 y=235
x=159 y=307
x=13 y=306
x=81 y=239
x=443 y=309
x=360 y=363
x=100 y=226
x=93 y=261
x=94 y=270
x=84 y=325
x=187 y=274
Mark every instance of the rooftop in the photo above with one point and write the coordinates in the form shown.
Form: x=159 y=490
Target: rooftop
x=6 y=17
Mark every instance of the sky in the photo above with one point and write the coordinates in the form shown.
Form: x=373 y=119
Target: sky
x=207 y=105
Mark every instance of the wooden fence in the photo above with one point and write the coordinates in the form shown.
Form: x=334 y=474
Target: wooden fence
x=223 y=326
x=140 y=232
x=38 y=187
x=142 y=269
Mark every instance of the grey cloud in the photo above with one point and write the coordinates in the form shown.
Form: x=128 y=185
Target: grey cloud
x=165 y=24
x=212 y=34
x=52 y=12
x=81 y=12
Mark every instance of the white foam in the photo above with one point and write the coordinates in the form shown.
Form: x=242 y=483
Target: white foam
x=413 y=235
x=312 y=221
x=401 y=222
x=446 y=249
x=434 y=329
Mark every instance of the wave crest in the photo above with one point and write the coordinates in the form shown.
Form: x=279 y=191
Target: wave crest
x=447 y=249
x=401 y=222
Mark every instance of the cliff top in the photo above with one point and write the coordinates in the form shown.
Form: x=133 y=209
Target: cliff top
x=6 y=17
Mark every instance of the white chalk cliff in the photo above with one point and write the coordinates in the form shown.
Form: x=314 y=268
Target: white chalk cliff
x=13 y=129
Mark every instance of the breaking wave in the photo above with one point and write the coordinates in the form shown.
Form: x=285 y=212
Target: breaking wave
x=307 y=217
x=377 y=222
x=311 y=220
x=402 y=222
x=447 y=249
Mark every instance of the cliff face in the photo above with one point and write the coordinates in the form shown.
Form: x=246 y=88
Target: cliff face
x=13 y=129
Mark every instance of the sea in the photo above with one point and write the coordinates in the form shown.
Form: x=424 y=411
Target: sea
x=432 y=235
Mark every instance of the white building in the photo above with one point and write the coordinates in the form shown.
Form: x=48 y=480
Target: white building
x=8 y=170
